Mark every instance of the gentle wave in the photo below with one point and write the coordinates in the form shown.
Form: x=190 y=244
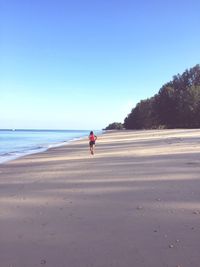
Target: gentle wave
x=14 y=155
x=18 y=154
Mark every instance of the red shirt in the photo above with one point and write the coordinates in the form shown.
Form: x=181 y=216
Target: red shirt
x=92 y=137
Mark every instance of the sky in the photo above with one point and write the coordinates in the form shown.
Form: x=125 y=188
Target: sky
x=83 y=64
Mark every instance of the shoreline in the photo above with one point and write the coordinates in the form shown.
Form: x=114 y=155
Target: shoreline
x=38 y=148
x=135 y=203
x=18 y=155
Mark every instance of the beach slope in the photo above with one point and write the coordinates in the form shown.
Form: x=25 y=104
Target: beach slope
x=136 y=202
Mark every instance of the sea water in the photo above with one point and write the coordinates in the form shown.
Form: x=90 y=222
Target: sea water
x=18 y=143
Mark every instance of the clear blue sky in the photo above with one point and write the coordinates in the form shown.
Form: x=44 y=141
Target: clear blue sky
x=82 y=64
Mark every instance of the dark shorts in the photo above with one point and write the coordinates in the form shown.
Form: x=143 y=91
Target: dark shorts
x=92 y=143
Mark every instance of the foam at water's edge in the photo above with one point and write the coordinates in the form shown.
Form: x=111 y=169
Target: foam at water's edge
x=15 y=155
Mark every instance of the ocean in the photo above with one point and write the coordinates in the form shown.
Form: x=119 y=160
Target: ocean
x=18 y=143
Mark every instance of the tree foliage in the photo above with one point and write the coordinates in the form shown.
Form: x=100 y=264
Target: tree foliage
x=114 y=126
x=177 y=105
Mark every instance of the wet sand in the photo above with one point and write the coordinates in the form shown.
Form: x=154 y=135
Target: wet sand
x=136 y=202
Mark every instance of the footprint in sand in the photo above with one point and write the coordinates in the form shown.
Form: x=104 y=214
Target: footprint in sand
x=196 y=212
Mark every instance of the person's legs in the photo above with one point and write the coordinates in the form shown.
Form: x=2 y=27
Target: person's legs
x=92 y=148
x=91 y=151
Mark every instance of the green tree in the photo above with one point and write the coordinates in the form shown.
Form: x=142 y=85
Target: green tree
x=142 y=116
x=176 y=105
x=114 y=126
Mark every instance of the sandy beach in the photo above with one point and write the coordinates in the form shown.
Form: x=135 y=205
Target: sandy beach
x=135 y=203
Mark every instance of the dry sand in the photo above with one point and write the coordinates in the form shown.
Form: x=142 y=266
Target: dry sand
x=136 y=203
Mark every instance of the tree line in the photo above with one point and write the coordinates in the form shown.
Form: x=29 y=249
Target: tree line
x=176 y=105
